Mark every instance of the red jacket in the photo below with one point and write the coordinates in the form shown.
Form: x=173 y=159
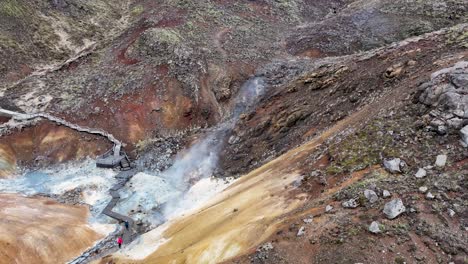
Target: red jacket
x=119 y=240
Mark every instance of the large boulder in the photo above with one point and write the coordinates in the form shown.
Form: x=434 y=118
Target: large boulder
x=393 y=165
x=394 y=208
x=371 y=196
x=464 y=136
x=447 y=93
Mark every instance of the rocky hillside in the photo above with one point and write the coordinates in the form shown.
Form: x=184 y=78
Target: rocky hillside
x=378 y=174
x=163 y=67
x=355 y=152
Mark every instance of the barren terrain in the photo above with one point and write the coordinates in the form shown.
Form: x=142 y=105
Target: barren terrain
x=257 y=131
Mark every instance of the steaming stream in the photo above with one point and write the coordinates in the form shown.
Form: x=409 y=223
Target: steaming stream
x=150 y=197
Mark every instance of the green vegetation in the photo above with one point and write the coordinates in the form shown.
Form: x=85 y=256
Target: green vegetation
x=362 y=149
x=354 y=231
x=168 y=36
x=356 y=189
x=400 y=260
x=290 y=8
x=137 y=10
x=12 y=8
x=458 y=37
x=7 y=43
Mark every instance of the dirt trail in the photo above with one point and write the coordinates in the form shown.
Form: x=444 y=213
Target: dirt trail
x=42 y=71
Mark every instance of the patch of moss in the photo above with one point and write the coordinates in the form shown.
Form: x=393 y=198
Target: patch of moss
x=354 y=231
x=137 y=10
x=458 y=37
x=169 y=36
x=356 y=189
x=290 y=8
x=362 y=150
x=400 y=260
x=8 y=43
x=12 y=8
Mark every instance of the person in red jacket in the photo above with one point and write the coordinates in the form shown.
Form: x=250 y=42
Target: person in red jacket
x=120 y=241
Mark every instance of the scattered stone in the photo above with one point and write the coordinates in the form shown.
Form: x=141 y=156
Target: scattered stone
x=394 y=208
x=421 y=173
x=442 y=130
x=374 y=227
x=266 y=247
x=386 y=194
x=393 y=165
x=451 y=212
x=441 y=160
x=423 y=189
x=233 y=140
x=301 y=231
x=430 y=196
x=455 y=122
x=328 y=208
x=428 y=167
x=371 y=196
x=351 y=203
x=308 y=220
x=464 y=136
x=411 y=63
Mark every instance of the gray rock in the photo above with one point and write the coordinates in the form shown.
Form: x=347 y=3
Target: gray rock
x=308 y=220
x=464 y=136
x=423 y=189
x=394 y=208
x=266 y=247
x=328 y=208
x=451 y=212
x=460 y=80
x=393 y=165
x=375 y=227
x=351 y=203
x=441 y=160
x=455 y=123
x=441 y=130
x=430 y=196
x=371 y=196
x=386 y=194
x=233 y=140
x=421 y=173
x=301 y=231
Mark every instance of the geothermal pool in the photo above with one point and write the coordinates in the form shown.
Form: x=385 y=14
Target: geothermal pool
x=150 y=197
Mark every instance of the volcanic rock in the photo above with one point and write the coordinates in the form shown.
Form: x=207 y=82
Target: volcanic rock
x=394 y=208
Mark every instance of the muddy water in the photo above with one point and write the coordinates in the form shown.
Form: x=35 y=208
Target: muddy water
x=93 y=184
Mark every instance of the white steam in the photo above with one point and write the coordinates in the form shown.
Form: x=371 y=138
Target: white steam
x=188 y=177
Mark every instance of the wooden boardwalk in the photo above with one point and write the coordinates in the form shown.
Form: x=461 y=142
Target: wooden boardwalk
x=118 y=159
x=122 y=178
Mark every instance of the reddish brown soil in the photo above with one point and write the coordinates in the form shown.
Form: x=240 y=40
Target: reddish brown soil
x=47 y=143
